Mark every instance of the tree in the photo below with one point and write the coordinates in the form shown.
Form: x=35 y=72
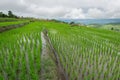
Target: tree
x=10 y=14
x=3 y=15
x=71 y=23
x=112 y=28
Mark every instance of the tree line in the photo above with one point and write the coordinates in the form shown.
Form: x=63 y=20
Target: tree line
x=9 y=15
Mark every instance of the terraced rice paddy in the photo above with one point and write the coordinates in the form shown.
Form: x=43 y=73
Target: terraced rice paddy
x=20 y=54
x=84 y=53
x=11 y=23
x=88 y=57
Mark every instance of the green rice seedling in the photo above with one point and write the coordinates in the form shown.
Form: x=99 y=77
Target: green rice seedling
x=20 y=53
x=12 y=23
x=22 y=60
x=86 y=56
x=84 y=53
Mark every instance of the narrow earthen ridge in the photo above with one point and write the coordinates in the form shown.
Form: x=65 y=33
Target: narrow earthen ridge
x=6 y=28
x=43 y=54
x=48 y=67
x=61 y=72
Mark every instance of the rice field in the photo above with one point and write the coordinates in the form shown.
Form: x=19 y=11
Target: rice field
x=114 y=27
x=20 y=54
x=8 y=19
x=2 y=24
x=85 y=53
x=88 y=57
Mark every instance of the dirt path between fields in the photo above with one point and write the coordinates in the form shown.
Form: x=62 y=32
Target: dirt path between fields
x=50 y=51
x=48 y=68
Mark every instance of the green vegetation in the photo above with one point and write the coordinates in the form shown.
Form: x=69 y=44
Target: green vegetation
x=8 y=19
x=86 y=56
x=9 y=15
x=114 y=27
x=12 y=19
x=85 y=53
x=20 y=51
x=12 y=23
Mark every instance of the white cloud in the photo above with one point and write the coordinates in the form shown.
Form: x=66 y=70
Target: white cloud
x=47 y=11
x=75 y=14
x=63 y=8
x=95 y=13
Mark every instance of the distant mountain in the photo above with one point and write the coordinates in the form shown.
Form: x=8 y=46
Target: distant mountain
x=92 y=21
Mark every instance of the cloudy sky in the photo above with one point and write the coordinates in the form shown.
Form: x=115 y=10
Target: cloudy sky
x=73 y=9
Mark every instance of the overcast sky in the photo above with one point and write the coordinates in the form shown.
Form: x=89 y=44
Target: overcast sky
x=73 y=9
